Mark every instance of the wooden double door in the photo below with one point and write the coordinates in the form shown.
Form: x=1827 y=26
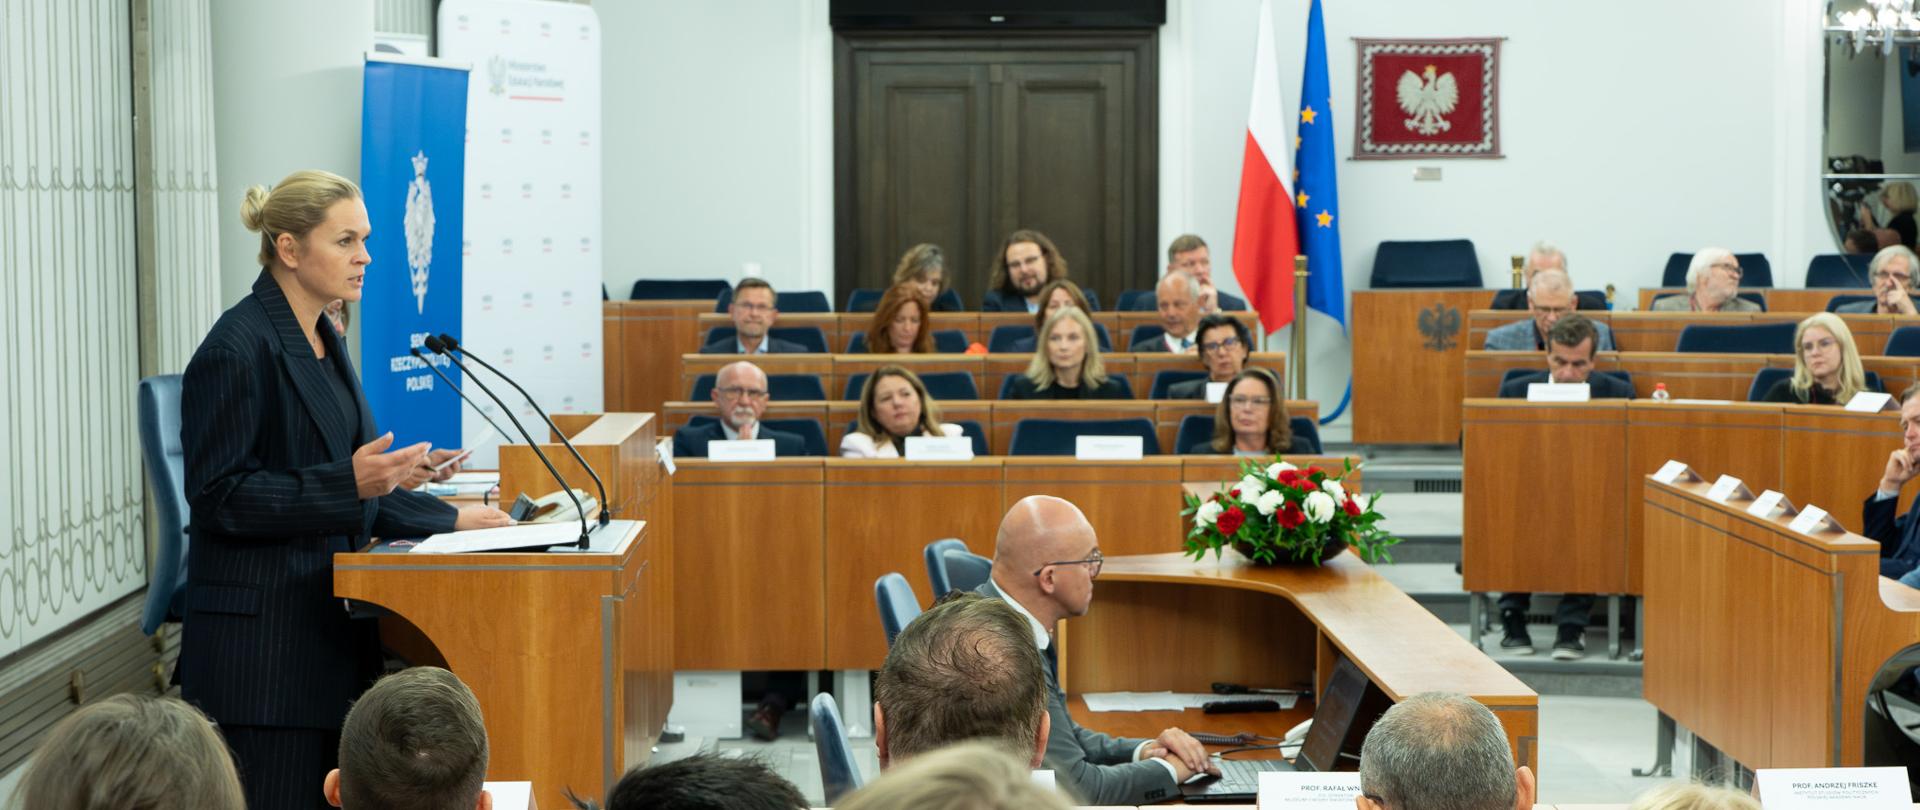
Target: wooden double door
x=960 y=140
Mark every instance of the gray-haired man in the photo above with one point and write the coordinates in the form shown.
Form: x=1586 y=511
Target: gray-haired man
x=1441 y=750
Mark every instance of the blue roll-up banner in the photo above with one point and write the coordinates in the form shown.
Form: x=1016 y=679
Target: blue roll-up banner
x=413 y=158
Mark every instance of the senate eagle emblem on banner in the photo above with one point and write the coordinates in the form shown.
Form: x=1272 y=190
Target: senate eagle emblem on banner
x=418 y=224
x=1429 y=101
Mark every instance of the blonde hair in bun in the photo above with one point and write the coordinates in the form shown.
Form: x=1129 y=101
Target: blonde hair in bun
x=297 y=205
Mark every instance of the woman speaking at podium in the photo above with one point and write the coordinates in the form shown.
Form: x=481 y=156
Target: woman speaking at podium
x=284 y=468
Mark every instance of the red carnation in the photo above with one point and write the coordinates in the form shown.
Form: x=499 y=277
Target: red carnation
x=1230 y=520
x=1288 y=476
x=1290 y=516
x=1351 y=507
x=1235 y=492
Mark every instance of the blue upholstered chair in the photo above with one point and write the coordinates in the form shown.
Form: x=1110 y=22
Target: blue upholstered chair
x=788 y=302
x=159 y=406
x=1904 y=342
x=937 y=570
x=681 y=289
x=1056 y=437
x=1135 y=301
x=1757 y=338
x=1755 y=270
x=1198 y=427
x=1839 y=270
x=898 y=605
x=839 y=774
x=941 y=385
x=1440 y=263
x=781 y=387
x=1162 y=380
x=1143 y=333
x=965 y=569
x=812 y=337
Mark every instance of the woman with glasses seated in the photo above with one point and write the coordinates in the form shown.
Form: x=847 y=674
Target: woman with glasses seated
x=1058 y=293
x=1251 y=420
x=1826 y=366
x=1224 y=345
x=900 y=324
x=1892 y=272
x=1067 y=364
x=893 y=405
x=1713 y=285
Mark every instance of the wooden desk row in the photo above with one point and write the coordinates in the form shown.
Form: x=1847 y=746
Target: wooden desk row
x=774 y=563
x=1762 y=640
x=1551 y=490
x=1802 y=302
x=1687 y=376
x=997 y=418
x=1660 y=331
x=840 y=327
x=988 y=370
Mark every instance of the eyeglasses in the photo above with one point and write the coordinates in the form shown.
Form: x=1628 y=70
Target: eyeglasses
x=1887 y=275
x=736 y=392
x=1562 y=310
x=1731 y=268
x=753 y=306
x=1250 y=402
x=1092 y=563
x=1224 y=344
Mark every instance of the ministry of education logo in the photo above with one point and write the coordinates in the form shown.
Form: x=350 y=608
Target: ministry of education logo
x=418 y=224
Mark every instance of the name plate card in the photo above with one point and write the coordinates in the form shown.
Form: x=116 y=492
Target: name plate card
x=1216 y=391
x=1108 y=448
x=1769 y=501
x=1288 y=789
x=1814 y=519
x=664 y=452
x=1726 y=488
x=1558 y=392
x=740 y=450
x=939 y=448
x=1824 y=788
x=1674 y=472
x=1869 y=402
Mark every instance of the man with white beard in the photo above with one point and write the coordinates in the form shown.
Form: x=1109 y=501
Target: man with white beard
x=739 y=397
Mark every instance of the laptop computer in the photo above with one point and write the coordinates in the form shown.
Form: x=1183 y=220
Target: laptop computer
x=1333 y=720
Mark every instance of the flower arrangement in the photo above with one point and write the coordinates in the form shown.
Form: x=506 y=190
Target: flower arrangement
x=1280 y=513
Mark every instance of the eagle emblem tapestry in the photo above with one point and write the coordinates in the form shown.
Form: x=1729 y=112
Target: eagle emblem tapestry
x=1427 y=98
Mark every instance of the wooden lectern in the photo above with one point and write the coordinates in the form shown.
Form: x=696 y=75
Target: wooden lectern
x=568 y=651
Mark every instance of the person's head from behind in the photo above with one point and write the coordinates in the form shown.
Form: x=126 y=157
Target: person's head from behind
x=966 y=669
x=1188 y=254
x=1066 y=347
x=1542 y=256
x=1223 y=343
x=313 y=230
x=1860 y=240
x=1252 y=414
x=740 y=394
x=1028 y=260
x=1900 y=197
x=414 y=741
x=899 y=323
x=1570 y=349
x=968 y=776
x=703 y=781
x=925 y=267
x=1440 y=751
x=753 y=309
x=1178 y=297
x=1549 y=298
x=1693 y=796
x=1713 y=277
x=1047 y=556
x=1058 y=294
x=132 y=751
x=895 y=402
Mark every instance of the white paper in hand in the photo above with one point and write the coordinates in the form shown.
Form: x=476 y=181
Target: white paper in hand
x=1823 y=788
x=1280 y=790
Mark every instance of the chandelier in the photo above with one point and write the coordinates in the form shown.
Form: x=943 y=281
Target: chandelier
x=1882 y=22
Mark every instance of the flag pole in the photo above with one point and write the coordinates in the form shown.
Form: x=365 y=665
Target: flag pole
x=1299 y=358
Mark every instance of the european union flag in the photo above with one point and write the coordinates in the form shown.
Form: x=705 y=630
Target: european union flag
x=1316 y=199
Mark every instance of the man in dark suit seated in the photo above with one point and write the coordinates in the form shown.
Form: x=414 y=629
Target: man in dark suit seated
x=1549 y=296
x=740 y=395
x=1569 y=360
x=1045 y=559
x=1188 y=254
x=967 y=669
x=1028 y=260
x=754 y=314
x=1178 y=299
x=1223 y=346
x=1899 y=535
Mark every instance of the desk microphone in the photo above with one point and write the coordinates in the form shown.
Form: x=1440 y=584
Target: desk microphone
x=508 y=437
x=437 y=346
x=606 y=506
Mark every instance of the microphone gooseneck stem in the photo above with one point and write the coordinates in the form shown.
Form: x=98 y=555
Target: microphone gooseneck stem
x=463 y=395
x=606 y=506
x=535 y=446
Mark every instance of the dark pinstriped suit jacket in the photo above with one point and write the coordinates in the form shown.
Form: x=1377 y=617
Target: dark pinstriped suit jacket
x=271 y=493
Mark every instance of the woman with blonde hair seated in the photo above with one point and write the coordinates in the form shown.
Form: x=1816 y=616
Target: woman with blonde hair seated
x=925 y=267
x=1252 y=419
x=1057 y=294
x=134 y=751
x=1693 y=796
x=894 y=404
x=965 y=776
x=1066 y=364
x=1826 y=366
x=900 y=323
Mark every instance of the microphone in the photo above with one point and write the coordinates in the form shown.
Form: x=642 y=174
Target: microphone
x=463 y=395
x=606 y=506
x=439 y=346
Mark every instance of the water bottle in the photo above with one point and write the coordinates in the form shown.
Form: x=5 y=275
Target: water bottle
x=1660 y=392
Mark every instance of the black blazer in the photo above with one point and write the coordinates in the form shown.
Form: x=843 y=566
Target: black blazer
x=1600 y=385
x=728 y=345
x=271 y=494
x=690 y=441
x=1188 y=389
x=997 y=301
x=1298 y=446
x=1023 y=388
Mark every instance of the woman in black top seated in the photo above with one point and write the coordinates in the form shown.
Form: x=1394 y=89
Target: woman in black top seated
x=1826 y=366
x=1252 y=419
x=1067 y=364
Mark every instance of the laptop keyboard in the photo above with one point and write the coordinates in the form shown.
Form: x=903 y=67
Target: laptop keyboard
x=1240 y=775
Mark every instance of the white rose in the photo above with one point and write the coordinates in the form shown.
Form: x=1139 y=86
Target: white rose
x=1269 y=501
x=1319 y=507
x=1209 y=512
x=1276 y=469
x=1333 y=488
x=1250 y=488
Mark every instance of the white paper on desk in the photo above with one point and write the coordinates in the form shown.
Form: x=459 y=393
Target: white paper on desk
x=524 y=535
x=1813 y=519
x=1672 y=471
x=1821 y=788
x=1725 y=488
x=1869 y=402
x=939 y=448
x=740 y=450
x=1769 y=501
x=510 y=795
x=1282 y=789
x=1108 y=448
x=1216 y=391
x=1558 y=392
x=1169 y=701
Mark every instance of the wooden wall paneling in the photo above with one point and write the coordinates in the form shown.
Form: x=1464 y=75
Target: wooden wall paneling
x=968 y=322
x=1810 y=300
x=1697 y=375
x=1407 y=384
x=644 y=342
x=1660 y=331
x=1741 y=440
x=1834 y=459
x=1531 y=523
x=1249 y=637
x=1896 y=373
x=749 y=565
x=1870 y=332
x=1134 y=507
x=845 y=366
x=881 y=516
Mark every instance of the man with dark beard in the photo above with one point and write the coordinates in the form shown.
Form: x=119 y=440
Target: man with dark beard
x=1028 y=260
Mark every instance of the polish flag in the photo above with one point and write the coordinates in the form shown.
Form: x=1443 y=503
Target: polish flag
x=1264 y=240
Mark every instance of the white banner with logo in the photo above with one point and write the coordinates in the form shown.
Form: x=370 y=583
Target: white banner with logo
x=532 y=244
